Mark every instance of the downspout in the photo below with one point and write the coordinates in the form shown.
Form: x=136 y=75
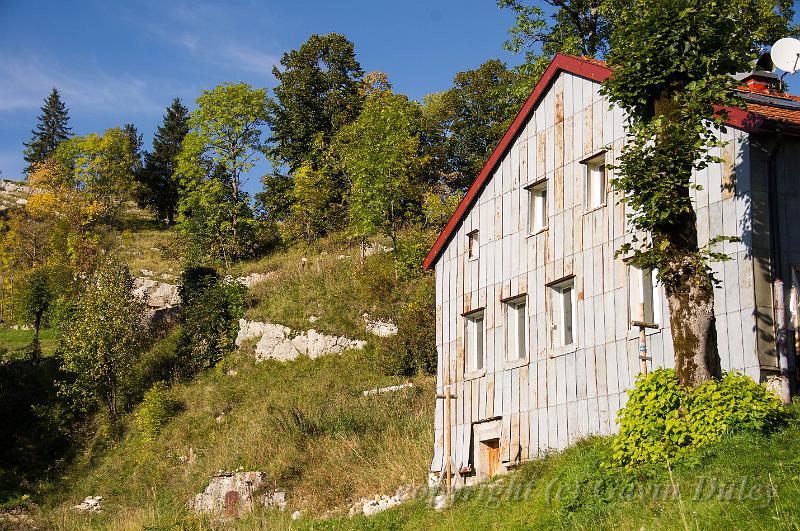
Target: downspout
x=776 y=268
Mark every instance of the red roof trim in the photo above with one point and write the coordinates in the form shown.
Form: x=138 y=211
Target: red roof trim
x=589 y=69
x=560 y=63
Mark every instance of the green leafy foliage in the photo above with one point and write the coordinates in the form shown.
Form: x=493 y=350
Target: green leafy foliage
x=413 y=349
x=317 y=94
x=210 y=317
x=472 y=116
x=380 y=156
x=101 y=336
x=665 y=421
x=156 y=409
x=214 y=213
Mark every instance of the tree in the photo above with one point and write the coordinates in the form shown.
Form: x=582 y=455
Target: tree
x=472 y=117
x=101 y=167
x=317 y=93
x=577 y=27
x=671 y=63
x=36 y=295
x=135 y=139
x=312 y=197
x=51 y=130
x=224 y=145
x=380 y=156
x=100 y=339
x=158 y=180
x=210 y=317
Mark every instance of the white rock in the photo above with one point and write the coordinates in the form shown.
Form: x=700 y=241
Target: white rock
x=296 y=515
x=381 y=390
x=379 y=327
x=90 y=504
x=232 y=493
x=156 y=294
x=253 y=278
x=275 y=342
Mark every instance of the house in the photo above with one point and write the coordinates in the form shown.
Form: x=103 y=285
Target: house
x=533 y=310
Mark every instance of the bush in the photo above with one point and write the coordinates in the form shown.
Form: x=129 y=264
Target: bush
x=413 y=349
x=664 y=421
x=156 y=409
x=209 y=319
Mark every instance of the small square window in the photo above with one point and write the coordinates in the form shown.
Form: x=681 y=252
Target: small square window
x=537 y=207
x=474 y=344
x=516 y=329
x=645 y=295
x=562 y=313
x=596 y=182
x=473 y=244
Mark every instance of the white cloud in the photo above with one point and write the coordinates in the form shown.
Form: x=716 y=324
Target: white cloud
x=26 y=81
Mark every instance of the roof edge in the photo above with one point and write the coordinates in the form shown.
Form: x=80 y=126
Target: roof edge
x=561 y=62
x=579 y=66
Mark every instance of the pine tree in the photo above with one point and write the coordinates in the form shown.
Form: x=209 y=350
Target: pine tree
x=159 y=183
x=51 y=130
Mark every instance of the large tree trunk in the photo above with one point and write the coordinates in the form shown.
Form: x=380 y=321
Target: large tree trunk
x=694 y=332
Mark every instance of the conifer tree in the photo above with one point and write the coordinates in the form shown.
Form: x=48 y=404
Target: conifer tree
x=51 y=130
x=159 y=190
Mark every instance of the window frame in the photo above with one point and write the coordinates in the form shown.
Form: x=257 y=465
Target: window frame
x=534 y=190
x=598 y=160
x=512 y=307
x=471 y=343
x=473 y=244
x=637 y=290
x=556 y=296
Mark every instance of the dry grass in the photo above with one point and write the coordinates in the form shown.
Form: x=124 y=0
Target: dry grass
x=345 y=446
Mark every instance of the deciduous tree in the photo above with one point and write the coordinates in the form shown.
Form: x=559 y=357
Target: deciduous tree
x=100 y=339
x=472 y=116
x=317 y=94
x=381 y=158
x=216 y=156
x=671 y=63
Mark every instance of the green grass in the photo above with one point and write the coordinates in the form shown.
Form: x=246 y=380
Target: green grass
x=333 y=285
x=334 y=447
x=748 y=481
x=17 y=342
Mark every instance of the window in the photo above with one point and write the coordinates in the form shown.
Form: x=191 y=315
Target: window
x=596 y=182
x=645 y=296
x=537 y=207
x=562 y=314
x=516 y=329
x=473 y=245
x=474 y=342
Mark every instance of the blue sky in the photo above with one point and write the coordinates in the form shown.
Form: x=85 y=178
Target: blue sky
x=119 y=62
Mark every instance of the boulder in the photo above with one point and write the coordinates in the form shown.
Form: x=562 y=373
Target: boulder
x=156 y=294
x=276 y=341
x=236 y=493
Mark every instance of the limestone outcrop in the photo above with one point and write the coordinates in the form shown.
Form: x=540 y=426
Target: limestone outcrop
x=278 y=342
x=236 y=493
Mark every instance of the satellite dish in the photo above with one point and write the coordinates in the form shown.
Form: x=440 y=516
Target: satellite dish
x=786 y=54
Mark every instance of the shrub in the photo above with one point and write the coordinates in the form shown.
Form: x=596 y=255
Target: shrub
x=664 y=421
x=413 y=349
x=210 y=318
x=156 y=409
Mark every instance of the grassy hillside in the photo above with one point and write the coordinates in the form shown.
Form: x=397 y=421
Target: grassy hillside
x=305 y=423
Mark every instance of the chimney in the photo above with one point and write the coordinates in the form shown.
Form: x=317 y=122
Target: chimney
x=762 y=81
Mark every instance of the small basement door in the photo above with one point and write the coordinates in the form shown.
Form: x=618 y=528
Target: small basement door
x=491 y=449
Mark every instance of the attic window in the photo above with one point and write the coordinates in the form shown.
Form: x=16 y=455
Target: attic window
x=596 y=181
x=473 y=245
x=537 y=207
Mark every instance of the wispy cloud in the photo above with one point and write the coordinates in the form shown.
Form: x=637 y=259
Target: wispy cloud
x=26 y=80
x=208 y=33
